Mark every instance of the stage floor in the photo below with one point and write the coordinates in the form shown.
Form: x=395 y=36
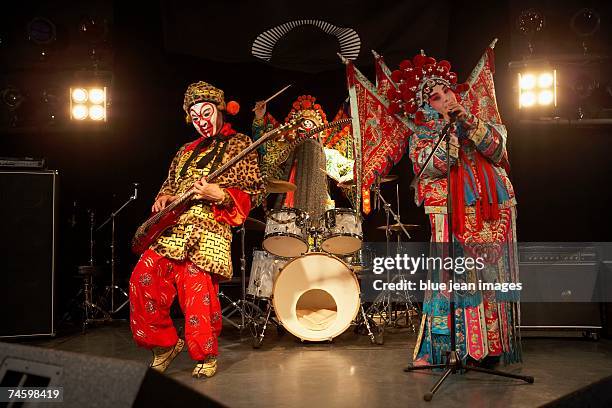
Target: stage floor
x=350 y=372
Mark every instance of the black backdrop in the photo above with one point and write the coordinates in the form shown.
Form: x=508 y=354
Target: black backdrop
x=560 y=173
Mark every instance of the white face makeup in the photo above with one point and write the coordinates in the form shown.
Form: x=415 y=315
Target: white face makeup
x=440 y=98
x=204 y=118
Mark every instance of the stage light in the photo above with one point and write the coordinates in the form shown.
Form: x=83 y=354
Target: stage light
x=527 y=81
x=79 y=112
x=540 y=87
x=545 y=98
x=88 y=103
x=97 y=95
x=96 y=112
x=79 y=95
x=545 y=80
x=527 y=99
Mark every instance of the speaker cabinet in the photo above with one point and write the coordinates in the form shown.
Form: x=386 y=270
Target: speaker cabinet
x=27 y=245
x=90 y=381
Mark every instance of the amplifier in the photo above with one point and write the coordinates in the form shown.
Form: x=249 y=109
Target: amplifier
x=560 y=287
x=22 y=163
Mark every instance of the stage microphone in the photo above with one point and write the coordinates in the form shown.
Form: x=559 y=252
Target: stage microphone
x=453 y=116
x=135 y=196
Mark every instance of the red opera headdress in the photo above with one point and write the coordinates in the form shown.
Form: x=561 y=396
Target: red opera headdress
x=416 y=79
x=305 y=106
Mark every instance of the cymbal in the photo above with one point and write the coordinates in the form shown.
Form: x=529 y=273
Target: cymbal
x=254 y=224
x=385 y=179
x=347 y=184
x=389 y=177
x=279 y=186
x=397 y=227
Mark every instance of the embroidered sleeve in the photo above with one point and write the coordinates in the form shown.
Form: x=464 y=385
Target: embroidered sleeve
x=489 y=138
x=421 y=146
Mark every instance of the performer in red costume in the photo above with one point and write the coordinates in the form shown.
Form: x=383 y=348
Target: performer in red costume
x=191 y=257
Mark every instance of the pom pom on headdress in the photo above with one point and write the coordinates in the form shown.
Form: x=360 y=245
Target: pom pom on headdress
x=232 y=107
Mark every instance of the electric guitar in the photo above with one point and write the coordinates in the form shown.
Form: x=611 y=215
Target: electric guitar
x=153 y=227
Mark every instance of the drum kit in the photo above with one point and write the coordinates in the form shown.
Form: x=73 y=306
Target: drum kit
x=305 y=279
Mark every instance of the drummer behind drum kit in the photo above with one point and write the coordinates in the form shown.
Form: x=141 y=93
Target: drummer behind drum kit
x=306 y=273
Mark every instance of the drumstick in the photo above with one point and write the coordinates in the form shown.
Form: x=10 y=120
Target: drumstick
x=275 y=95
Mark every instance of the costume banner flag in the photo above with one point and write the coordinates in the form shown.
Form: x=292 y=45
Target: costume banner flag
x=380 y=137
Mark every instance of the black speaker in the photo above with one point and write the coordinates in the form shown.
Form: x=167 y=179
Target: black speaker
x=560 y=288
x=89 y=381
x=27 y=244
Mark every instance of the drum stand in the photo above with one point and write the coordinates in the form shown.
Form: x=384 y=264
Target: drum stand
x=383 y=304
x=258 y=335
x=248 y=311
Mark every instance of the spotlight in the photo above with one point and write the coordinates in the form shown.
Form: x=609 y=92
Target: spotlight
x=79 y=112
x=527 y=81
x=527 y=99
x=540 y=87
x=545 y=80
x=97 y=95
x=88 y=103
x=79 y=95
x=545 y=98
x=96 y=112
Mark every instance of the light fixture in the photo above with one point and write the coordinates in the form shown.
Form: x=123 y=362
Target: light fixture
x=79 y=112
x=79 y=95
x=88 y=103
x=537 y=88
x=96 y=112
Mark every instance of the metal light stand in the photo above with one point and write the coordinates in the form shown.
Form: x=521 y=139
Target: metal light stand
x=454 y=364
x=110 y=290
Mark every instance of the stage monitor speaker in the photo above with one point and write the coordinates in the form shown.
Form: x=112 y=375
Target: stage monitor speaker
x=567 y=281
x=90 y=381
x=27 y=241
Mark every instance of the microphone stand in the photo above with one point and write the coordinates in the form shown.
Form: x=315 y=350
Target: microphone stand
x=113 y=286
x=454 y=363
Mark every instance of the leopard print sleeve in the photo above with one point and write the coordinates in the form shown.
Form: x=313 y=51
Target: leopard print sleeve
x=169 y=187
x=245 y=174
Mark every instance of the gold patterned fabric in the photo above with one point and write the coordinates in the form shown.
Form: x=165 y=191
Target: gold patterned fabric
x=197 y=236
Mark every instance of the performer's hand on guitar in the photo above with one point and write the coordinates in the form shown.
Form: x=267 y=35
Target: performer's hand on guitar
x=260 y=109
x=207 y=191
x=162 y=202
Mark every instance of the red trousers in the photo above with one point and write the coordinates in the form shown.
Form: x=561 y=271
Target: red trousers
x=153 y=285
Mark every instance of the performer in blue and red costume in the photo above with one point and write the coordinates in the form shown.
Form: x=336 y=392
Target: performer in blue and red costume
x=483 y=203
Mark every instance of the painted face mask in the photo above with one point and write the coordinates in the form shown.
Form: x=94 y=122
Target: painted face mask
x=204 y=118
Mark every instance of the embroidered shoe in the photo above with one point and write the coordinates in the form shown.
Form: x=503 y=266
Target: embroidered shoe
x=163 y=356
x=206 y=368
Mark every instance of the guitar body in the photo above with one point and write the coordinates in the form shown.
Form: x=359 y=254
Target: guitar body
x=148 y=232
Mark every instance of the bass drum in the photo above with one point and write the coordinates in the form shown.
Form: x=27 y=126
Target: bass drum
x=316 y=297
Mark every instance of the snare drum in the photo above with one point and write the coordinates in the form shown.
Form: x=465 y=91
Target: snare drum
x=286 y=234
x=264 y=270
x=342 y=234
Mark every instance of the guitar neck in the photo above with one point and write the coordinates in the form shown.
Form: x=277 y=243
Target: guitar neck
x=190 y=193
